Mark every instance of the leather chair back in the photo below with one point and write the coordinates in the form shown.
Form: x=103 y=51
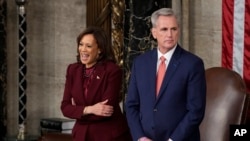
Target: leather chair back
x=226 y=104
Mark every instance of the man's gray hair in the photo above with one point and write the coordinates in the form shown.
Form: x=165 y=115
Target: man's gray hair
x=162 y=12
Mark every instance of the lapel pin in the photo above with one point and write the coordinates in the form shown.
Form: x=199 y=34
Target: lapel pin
x=97 y=77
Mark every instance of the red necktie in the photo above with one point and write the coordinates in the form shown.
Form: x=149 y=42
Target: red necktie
x=160 y=74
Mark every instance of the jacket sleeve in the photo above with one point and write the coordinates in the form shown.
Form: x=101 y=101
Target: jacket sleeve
x=68 y=109
x=111 y=90
x=133 y=105
x=196 y=101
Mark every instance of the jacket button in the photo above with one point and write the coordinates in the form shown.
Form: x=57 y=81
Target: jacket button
x=155 y=110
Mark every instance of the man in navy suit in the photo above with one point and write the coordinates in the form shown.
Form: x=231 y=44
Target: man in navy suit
x=175 y=113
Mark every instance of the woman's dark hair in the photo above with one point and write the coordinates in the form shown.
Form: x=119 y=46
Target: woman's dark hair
x=102 y=41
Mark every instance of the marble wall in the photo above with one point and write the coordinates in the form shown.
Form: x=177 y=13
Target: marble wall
x=52 y=27
x=137 y=34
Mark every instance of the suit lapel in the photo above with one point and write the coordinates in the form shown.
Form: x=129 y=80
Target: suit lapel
x=172 y=66
x=79 y=82
x=152 y=72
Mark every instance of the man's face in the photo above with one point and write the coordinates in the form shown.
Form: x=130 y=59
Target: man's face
x=166 y=33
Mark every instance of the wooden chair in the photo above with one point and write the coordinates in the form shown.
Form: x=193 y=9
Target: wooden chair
x=226 y=104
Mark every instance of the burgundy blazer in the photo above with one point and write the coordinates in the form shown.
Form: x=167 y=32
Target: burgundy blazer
x=106 y=84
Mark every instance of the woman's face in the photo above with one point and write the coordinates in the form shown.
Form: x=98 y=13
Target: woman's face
x=88 y=50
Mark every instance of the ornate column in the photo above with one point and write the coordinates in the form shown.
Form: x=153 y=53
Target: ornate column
x=98 y=14
x=117 y=17
x=118 y=7
x=22 y=69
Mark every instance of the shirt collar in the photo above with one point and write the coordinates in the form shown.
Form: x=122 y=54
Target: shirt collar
x=167 y=55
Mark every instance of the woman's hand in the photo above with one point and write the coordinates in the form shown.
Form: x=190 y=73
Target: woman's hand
x=99 y=109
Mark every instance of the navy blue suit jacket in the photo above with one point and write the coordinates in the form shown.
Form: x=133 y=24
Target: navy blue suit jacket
x=180 y=106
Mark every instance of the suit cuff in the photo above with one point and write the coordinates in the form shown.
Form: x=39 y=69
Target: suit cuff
x=142 y=139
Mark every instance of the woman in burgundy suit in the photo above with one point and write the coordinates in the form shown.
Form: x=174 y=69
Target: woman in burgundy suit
x=92 y=91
